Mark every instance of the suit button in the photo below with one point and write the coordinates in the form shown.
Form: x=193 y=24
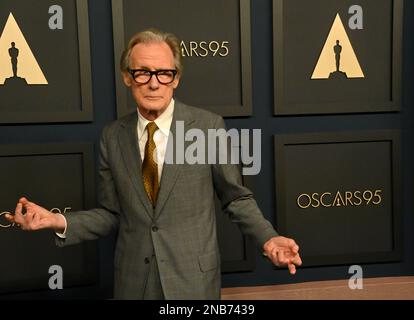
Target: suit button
x=154 y=228
x=146 y=260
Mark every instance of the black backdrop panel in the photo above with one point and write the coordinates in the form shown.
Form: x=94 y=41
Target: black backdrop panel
x=62 y=55
x=215 y=44
x=56 y=177
x=338 y=196
x=302 y=27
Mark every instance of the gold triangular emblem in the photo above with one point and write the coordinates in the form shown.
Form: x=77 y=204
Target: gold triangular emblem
x=17 y=62
x=338 y=58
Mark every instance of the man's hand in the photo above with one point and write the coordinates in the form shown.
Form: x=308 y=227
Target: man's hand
x=35 y=218
x=283 y=252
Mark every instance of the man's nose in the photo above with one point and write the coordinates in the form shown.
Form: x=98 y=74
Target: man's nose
x=153 y=83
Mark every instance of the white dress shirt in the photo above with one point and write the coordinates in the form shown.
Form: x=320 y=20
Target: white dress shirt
x=163 y=123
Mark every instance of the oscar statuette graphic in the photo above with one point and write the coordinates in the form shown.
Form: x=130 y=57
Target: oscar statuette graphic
x=337 y=59
x=18 y=65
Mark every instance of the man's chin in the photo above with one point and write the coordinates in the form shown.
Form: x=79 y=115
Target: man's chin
x=155 y=104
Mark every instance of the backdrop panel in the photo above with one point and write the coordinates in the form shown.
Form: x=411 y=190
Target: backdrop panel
x=339 y=196
x=45 y=71
x=337 y=56
x=60 y=178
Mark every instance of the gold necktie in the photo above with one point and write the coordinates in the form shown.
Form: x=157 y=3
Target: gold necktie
x=149 y=166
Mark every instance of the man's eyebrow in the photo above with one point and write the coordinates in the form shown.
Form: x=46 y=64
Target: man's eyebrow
x=143 y=68
x=149 y=69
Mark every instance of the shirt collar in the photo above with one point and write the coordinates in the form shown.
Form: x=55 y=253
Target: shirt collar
x=163 y=122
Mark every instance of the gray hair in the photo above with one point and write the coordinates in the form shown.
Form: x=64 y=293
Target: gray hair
x=150 y=36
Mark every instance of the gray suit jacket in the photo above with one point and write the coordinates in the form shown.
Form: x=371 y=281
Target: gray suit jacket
x=181 y=230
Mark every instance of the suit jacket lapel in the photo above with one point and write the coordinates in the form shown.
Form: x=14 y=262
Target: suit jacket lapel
x=170 y=172
x=128 y=143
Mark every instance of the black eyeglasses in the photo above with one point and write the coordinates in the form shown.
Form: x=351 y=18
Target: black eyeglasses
x=144 y=76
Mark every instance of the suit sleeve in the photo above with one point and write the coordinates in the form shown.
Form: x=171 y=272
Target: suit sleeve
x=95 y=223
x=238 y=200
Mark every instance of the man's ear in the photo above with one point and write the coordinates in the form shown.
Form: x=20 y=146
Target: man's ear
x=127 y=78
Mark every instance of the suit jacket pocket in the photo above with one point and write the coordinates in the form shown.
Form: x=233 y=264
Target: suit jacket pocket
x=208 y=261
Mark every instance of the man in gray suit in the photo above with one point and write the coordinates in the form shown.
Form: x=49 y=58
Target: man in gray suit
x=163 y=213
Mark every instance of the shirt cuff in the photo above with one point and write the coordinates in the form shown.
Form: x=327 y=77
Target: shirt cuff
x=63 y=234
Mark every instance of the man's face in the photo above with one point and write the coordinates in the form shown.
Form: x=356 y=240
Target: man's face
x=152 y=98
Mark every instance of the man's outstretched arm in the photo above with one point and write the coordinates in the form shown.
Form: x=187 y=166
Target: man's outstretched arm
x=239 y=203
